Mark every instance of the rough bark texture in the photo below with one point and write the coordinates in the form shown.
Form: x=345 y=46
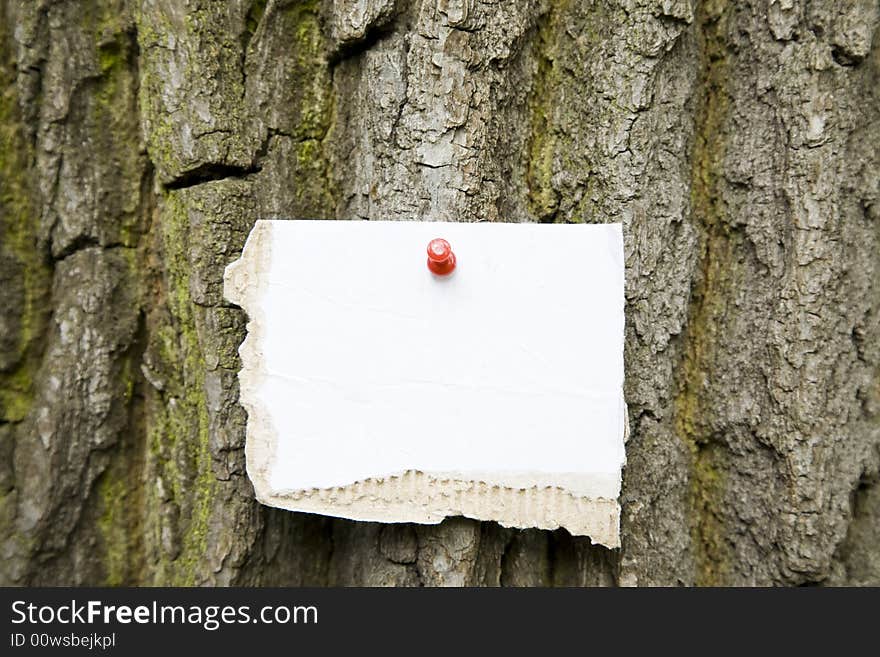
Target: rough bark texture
x=738 y=142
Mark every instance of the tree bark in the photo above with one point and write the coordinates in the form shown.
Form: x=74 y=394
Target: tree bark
x=737 y=142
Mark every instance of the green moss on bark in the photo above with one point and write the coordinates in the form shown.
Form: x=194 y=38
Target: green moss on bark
x=23 y=263
x=719 y=274
x=544 y=137
x=203 y=118
x=312 y=115
x=556 y=151
x=116 y=533
x=179 y=437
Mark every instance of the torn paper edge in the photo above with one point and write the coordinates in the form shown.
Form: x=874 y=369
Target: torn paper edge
x=411 y=496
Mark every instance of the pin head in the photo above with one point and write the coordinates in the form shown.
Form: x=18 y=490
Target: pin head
x=441 y=259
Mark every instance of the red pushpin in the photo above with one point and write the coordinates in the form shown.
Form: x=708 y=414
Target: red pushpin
x=441 y=259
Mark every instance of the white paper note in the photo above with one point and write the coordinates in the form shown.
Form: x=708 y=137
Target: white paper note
x=376 y=390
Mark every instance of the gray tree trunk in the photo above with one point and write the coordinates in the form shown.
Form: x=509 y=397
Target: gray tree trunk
x=738 y=142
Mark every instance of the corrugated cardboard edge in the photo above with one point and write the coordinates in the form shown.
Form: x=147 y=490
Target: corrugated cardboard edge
x=419 y=497
x=412 y=496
